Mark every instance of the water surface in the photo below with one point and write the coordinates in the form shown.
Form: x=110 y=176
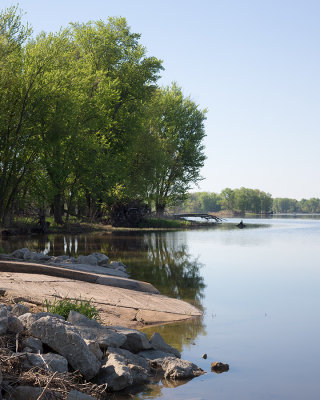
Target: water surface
x=258 y=287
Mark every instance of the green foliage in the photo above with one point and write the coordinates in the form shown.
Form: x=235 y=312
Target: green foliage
x=64 y=306
x=175 y=128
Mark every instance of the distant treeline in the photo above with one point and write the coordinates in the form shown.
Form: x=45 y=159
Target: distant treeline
x=246 y=200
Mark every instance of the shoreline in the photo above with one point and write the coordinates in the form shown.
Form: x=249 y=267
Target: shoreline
x=82 y=228
x=120 y=301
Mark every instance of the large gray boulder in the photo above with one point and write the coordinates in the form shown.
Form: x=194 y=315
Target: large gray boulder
x=49 y=361
x=131 y=359
x=28 y=319
x=122 y=368
x=3 y=319
x=175 y=368
x=158 y=343
x=136 y=340
x=91 y=330
x=115 y=373
x=66 y=340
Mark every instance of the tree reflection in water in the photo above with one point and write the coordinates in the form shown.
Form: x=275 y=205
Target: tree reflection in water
x=169 y=266
x=156 y=257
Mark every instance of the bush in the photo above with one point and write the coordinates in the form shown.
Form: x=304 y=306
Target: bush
x=64 y=306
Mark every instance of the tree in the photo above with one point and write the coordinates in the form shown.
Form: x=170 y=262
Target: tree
x=176 y=125
x=17 y=145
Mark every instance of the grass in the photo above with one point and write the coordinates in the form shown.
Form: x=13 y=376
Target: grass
x=64 y=306
x=164 y=223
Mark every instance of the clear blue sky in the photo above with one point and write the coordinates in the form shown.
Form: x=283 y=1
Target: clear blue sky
x=254 y=64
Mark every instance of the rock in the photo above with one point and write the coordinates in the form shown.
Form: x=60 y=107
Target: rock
x=158 y=343
x=19 y=309
x=94 y=348
x=14 y=324
x=204 y=356
x=34 y=344
x=91 y=330
x=175 y=368
x=75 y=395
x=122 y=369
x=91 y=260
x=27 y=350
x=219 y=367
x=151 y=355
x=118 y=265
x=66 y=340
x=43 y=257
x=27 y=255
x=136 y=340
x=102 y=259
x=28 y=393
x=60 y=259
x=1 y=379
x=49 y=361
x=3 y=319
x=115 y=373
x=19 y=253
x=29 y=318
x=133 y=359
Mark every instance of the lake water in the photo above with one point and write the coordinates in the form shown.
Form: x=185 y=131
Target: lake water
x=259 y=288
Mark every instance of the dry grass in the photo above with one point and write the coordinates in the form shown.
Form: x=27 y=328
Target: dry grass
x=59 y=385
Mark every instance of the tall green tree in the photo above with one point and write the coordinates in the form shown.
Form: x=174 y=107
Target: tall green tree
x=17 y=144
x=177 y=126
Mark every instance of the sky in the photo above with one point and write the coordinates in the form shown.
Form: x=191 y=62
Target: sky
x=254 y=64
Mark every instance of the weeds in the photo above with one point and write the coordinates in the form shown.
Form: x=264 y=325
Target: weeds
x=64 y=306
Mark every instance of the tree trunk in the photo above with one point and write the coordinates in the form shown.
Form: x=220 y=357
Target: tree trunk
x=58 y=209
x=160 y=207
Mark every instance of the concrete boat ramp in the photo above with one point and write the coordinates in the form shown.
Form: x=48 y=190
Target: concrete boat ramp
x=120 y=301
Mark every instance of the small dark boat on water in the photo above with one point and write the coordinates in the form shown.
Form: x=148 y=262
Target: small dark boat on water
x=241 y=225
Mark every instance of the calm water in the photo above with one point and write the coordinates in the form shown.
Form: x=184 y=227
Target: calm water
x=260 y=291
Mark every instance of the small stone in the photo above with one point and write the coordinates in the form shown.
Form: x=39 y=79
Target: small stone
x=19 y=309
x=175 y=368
x=14 y=324
x=219 y=367
x=32 y=343
x=205 y=356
